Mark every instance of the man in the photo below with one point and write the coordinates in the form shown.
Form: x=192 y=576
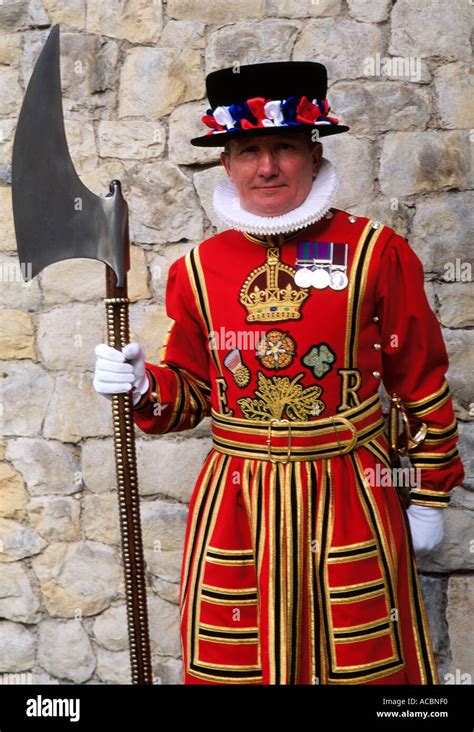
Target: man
x=298 y=563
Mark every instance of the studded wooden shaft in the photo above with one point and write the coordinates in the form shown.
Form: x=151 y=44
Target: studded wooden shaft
x=128 y=495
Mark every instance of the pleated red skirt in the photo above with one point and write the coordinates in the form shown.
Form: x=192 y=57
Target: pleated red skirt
x=301 y=573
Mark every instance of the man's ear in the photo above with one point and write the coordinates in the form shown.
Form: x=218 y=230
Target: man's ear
x=224 y=158
x=317 y=153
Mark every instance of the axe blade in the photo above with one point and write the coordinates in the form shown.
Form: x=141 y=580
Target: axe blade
x=55 y=215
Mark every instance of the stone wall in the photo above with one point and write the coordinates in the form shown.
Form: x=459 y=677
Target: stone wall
x=133 y=77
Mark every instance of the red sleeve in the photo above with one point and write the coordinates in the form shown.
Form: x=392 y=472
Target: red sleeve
x=179 y=394
x=414 y=363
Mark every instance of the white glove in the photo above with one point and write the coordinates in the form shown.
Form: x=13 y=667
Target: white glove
x=427 y=527
x=113 y=375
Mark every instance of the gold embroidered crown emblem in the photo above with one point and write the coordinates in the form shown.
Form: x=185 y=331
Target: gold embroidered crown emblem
x=269 y=293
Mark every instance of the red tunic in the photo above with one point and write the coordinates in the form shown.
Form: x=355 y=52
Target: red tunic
x=298 y=566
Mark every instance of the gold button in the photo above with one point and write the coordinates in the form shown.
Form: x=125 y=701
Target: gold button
x=376 y=374
x=375 y=318
x=376 y=224
x=329 y=215
x=377 y=346
x=352 y=219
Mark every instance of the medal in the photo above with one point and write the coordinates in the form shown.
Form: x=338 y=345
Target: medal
x=322 y=260
x=338 y=279
x=304 y=263
x=303 y=277
x=321 y=263
x=320 y=278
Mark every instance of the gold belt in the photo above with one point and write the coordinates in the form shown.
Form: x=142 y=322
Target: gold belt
x=282 y=440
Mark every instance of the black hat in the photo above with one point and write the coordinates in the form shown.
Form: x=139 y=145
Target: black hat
x=275 y=97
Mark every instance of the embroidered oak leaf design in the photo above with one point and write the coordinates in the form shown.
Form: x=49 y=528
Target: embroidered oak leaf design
x=278 y=396
x=319 y=359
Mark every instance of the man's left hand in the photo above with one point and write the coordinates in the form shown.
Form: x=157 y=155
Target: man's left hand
x=427 y=527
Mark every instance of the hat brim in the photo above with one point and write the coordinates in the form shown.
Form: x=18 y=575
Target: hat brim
x=218 y=139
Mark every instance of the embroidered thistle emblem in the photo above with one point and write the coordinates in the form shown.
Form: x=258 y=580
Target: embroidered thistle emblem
x=240 y=372
x=278 y=396
x=319 y=359
x=275 y=350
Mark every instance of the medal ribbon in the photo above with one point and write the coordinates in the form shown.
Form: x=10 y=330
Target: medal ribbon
x=324 y=252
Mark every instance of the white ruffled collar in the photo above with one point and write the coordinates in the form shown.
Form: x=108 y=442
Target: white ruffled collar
x=318 y=202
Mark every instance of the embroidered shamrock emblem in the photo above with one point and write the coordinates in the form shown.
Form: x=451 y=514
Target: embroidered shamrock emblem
x=319 y=359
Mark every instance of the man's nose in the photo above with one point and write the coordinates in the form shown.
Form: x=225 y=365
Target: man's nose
x=267 y=164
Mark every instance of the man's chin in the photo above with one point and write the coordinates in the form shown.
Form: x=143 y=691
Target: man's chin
x=270 y=209
x=270 y=204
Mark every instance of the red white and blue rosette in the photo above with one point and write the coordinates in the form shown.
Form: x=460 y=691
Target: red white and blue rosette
x=260 y=112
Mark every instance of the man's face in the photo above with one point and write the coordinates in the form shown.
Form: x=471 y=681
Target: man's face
x=272 y=173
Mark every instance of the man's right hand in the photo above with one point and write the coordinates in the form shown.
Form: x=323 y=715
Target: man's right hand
x=115 y=375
